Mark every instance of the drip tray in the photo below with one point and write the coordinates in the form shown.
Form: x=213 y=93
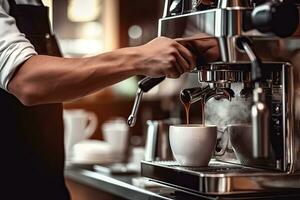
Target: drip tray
x=219 y=178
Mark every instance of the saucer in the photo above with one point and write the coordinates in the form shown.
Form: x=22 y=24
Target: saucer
x=94 y=152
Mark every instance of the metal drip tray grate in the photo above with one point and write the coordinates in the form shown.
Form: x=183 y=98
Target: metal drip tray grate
x=214 y=168
x=219 y=178
x=218 y=169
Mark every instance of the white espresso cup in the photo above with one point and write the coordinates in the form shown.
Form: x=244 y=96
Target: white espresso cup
x=193 y=144
x=78 y=125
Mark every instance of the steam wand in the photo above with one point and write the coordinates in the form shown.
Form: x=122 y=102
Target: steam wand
x=260 y=113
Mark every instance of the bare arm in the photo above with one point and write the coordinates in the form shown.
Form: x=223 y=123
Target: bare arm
x=47 y=79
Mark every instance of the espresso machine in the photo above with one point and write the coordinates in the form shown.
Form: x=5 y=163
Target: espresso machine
x=254 y=42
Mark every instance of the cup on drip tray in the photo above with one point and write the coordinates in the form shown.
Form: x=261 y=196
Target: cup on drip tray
x=193 y=144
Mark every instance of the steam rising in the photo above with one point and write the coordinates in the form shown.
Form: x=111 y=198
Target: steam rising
x=223 y=112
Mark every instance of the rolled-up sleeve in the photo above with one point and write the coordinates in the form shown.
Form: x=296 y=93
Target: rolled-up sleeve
x=14 y=48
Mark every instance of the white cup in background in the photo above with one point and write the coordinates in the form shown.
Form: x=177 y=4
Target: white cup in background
x=115 y=132
x=78 y=125
x=137 y=155
x=193 y=144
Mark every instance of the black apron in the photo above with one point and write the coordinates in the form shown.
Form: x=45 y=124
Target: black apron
x=31 y=141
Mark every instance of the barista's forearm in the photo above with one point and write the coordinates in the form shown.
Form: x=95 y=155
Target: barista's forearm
x=46 y=79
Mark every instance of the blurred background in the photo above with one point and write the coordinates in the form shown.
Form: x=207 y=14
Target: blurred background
x=90 y=27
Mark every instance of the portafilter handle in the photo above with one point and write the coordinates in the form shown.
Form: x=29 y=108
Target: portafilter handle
x=144 y=85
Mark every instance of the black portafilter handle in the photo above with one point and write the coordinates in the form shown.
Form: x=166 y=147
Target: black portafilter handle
x=148 y=83
x=144 y=85
x=280 y=18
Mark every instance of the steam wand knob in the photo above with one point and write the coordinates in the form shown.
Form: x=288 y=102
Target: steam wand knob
x=272 y=15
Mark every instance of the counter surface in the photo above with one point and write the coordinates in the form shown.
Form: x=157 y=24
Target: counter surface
x=124 y=187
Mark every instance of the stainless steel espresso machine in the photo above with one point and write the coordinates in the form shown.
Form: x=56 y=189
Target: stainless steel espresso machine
x=255 y=43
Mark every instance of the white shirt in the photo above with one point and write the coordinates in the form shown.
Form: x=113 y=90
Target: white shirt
x=14 y=47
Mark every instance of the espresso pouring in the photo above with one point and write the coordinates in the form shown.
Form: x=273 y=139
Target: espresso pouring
x=187 y=107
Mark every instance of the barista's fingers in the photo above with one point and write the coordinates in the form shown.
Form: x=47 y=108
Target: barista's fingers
x=212 y=54
x=187 y=55
x=182 y=65
x=173 y=72
x=173 y=76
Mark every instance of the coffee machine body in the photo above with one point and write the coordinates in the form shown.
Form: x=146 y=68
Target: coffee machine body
x=222 y=26
x=258 y=55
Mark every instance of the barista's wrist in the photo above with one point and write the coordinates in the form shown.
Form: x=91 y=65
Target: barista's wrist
x=133 y=60
x=122 y=61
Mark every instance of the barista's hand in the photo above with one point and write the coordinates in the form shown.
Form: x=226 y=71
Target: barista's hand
x=164 y=57
x=205 y=47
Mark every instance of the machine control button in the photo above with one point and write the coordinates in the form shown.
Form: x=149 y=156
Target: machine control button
x=276 y=121
x=278 y=133
x=277 y=128
x=277 y=108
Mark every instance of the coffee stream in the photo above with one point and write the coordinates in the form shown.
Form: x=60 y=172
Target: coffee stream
x=187 y=107
x=202 y=105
